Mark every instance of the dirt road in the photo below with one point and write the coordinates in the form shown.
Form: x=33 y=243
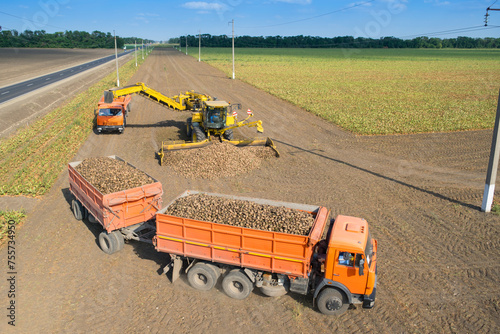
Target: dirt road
x=439 y=256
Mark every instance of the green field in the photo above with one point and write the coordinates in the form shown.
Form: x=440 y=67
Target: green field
x=376 y=91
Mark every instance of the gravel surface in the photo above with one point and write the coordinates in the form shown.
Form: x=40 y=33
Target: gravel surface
x=217 y=160
x=110 y=175
x=242 y=213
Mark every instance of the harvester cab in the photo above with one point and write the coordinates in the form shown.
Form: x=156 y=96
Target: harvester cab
x=215 y=115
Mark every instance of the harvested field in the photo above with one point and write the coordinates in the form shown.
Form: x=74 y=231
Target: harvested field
x=217 y=160
x=25 y=63
x=111 y=175
x=242 y=213
x=438 y=253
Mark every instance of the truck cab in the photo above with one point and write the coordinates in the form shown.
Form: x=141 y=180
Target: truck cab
x=112 y=116
x=349 y=267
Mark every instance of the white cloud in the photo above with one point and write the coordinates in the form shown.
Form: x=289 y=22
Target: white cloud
x=204 y=6
x=299 y=2
x=438 y=2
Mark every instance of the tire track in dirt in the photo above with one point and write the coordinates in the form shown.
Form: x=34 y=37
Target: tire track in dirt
x=438 y=255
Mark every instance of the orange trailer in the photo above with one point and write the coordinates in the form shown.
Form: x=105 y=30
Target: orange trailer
x=337 y=271
x=123 y=215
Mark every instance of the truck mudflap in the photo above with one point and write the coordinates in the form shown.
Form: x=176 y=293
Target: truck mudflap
x=369 y=300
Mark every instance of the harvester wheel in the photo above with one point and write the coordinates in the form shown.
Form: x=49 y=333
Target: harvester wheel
x=108 y=243
x=237 y=285
x=228 y=134
x=189 y=130
x=201 y=277
x=77 y=209
x=200 y=135
x=332 y=302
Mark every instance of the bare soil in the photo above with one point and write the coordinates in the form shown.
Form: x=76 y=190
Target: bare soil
x=439 y=255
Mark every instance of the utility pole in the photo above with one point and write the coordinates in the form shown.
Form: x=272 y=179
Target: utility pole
x=186 y=45
x=135 y=52
x=232 y=22
x=142 y=49
x=487 y=14
x=116 y=59
x=199 y=45
x=491 y=175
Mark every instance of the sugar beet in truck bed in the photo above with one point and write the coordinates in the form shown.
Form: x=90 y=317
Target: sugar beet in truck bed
x=274 y=252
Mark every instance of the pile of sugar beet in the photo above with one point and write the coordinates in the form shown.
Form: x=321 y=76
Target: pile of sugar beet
x=242 y=213
x=217 y=160
x=110 y=175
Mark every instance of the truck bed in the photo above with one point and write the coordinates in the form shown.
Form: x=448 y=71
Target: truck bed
x=245 y=247
x=119 y=209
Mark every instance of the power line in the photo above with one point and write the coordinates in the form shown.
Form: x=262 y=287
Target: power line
x=25 y=19
x=312 y=17
x=452 y=31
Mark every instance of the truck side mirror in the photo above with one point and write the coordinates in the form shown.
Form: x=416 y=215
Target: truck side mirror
x=361 y=267
x=95 y=112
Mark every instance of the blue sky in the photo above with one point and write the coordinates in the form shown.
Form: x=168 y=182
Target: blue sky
x=160 y=20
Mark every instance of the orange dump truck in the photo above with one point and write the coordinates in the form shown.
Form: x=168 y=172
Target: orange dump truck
x=337 y=271
x=111 y=113
x=127 y=214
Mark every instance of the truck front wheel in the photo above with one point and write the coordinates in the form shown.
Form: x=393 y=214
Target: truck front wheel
x=201 y=277
x=332 y=302
x=237 y=285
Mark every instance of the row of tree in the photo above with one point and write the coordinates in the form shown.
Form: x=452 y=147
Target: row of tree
x=336 y=42
x=67 y=39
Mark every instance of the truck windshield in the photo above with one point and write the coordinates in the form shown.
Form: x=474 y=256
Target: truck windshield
x=110 y=112
x=369 y=250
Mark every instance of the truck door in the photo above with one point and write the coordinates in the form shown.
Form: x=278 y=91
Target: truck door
x=346 y=271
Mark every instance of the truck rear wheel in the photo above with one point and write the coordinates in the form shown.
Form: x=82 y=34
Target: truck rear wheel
x=77 y=209
x=332 y=302
x=237 y=285
x=202 y=277
x=108 y=243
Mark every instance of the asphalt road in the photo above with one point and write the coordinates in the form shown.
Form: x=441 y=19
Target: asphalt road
x=13 y=91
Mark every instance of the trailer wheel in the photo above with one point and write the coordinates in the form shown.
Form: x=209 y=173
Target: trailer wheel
x=237 y=285
x=92 y=219
x=201 y=277
x=332 y=302
x=77 y=209
x=108 y=243
x=120 y=241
